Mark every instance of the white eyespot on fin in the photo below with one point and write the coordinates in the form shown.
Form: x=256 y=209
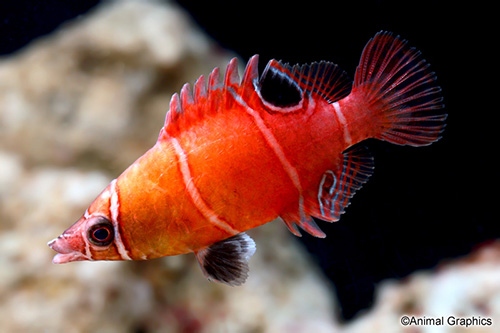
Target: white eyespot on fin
x=227 y=261
x=338 y=187
x=334 y=192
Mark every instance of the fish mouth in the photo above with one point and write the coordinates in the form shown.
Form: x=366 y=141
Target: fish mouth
x=63 y=258
x=65 y=252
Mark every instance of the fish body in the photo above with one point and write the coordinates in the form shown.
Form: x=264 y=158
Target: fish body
x=238 y=153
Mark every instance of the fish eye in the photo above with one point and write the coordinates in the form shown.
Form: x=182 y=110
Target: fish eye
x=101 y=233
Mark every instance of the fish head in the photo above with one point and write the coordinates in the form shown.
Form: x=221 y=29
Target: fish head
x=92 y=237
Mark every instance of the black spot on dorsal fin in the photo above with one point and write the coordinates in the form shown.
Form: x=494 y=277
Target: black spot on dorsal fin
x=227 y=261
x=321 y=78
x=278 y=88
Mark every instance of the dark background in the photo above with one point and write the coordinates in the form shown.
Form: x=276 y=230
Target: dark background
x=422 y=206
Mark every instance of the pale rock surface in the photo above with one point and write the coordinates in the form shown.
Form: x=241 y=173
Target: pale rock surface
x=101 y=83
x=464 y=288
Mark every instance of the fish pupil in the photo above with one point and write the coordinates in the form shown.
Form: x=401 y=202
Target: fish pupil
x=279 y=90
x=101 y=234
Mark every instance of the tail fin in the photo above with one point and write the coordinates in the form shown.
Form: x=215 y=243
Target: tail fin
x=401 y=90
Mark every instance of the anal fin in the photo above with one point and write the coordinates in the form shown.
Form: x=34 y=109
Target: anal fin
x=337 y=187
x=331 y=197
x=227 y=261
x=306 y=223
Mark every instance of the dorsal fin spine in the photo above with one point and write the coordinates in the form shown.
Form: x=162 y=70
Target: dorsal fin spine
x=250 y=75
x=172 y=116
x=251 y=71
x=200 y=90
x=175 y=106
x=186 y=96
x=214 y=85
x=214 y=79
x=231 y=81
x=232 y=76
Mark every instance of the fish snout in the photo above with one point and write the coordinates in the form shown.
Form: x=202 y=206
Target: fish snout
x=69 y=247
x=60 y=245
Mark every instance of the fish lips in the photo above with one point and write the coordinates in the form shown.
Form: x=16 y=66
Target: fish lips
x=69 y=246
x=65 y=252
x=62 y=258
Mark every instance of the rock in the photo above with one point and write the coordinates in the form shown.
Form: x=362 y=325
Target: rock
x=463 y=288
x=101 y=83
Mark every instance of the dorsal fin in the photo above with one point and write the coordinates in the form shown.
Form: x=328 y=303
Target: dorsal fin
x=278 y=89
x=191 y=106
x=322 y=78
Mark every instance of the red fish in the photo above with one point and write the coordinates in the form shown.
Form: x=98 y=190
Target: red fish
x=236 y=154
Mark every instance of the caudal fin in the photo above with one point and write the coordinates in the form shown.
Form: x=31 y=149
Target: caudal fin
x=401 y=92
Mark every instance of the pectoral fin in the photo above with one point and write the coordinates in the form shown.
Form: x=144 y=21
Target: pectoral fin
x=227 y=261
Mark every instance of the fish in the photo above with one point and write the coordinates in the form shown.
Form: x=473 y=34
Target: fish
x=237 y=153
